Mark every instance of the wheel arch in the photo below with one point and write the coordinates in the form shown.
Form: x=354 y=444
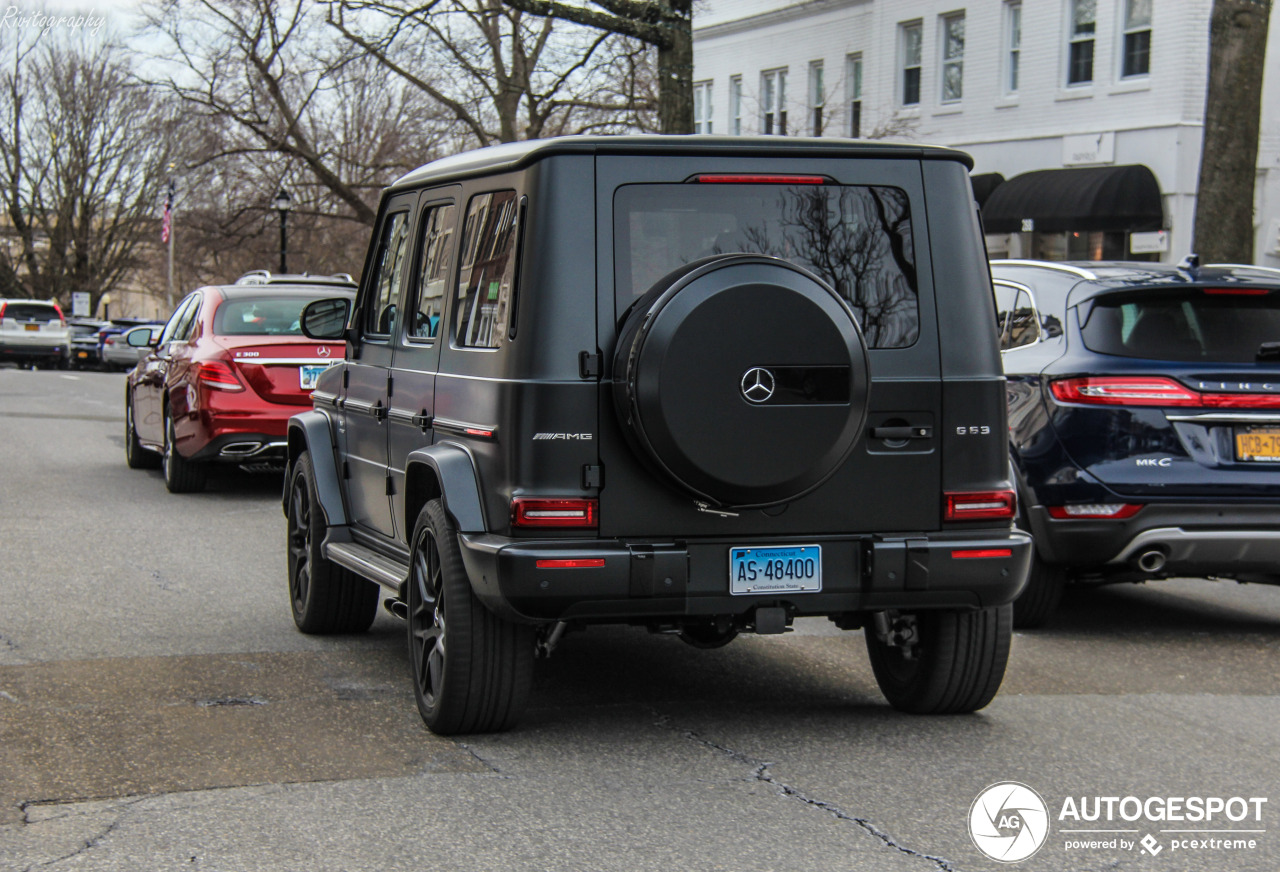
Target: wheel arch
x=446 y=472
x=309 y=432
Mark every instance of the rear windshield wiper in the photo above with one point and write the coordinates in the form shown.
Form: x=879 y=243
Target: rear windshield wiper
x=1268 y=351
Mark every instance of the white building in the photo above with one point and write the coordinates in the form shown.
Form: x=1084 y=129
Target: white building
x=1109 y=94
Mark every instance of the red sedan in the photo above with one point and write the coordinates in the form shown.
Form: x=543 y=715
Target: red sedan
x=223 y=376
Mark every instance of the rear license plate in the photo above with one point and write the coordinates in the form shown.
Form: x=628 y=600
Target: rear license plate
x=309 y=373
x=775 y=570
x=32 y=327
x=82 y=354
x=1258 y=444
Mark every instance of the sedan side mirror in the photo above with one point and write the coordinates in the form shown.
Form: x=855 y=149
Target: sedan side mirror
x=141 y=337
x=326 y=319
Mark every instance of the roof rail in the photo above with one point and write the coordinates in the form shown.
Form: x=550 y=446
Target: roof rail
x=1049 y=264
x=1253 y=267
x=255 y=277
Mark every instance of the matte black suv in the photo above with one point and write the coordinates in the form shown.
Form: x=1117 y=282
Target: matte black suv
x=704 y=385
x=1144 y=410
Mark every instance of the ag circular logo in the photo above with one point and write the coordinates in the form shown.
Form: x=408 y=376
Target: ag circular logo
x=1008 y=822
x=757 y=384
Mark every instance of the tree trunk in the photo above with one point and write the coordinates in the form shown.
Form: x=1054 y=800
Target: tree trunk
x=1224 y=231
x=675 y=71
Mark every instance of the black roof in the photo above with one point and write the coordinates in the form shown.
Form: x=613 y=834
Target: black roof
x=515 y=155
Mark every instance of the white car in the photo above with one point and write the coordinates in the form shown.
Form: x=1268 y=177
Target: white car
x=33 y=333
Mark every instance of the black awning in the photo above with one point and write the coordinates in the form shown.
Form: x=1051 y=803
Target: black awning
x=1123 y=198
x=984 y=184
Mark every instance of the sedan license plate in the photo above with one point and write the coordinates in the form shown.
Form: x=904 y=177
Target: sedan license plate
x=791 y=569
x=310 y=373
x=31 y=327
x=1258 y=444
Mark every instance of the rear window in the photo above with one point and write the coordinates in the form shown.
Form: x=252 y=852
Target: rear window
x=1189 y=325
x=263 y=316
x=857 y=238
x=30 y=312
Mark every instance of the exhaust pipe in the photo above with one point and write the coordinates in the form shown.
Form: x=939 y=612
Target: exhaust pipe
x=1152 y=561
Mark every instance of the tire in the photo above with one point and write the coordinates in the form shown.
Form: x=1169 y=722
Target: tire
x=326 y=598
x=181 y=476
x=790 y=383
x=135 y=455
x=959 y=664
x=1040 y=598
x=471 y=669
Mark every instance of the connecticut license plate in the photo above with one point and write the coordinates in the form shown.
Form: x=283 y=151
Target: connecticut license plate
x=1258 y=444
x=309 y=373
x=775 y=570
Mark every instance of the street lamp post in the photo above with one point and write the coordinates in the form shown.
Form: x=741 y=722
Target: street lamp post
x=283 y=202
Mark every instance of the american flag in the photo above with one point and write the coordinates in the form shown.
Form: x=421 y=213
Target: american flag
x=166 y=225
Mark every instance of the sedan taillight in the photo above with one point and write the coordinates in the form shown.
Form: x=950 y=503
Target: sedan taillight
x=1151 y=391
x=219 y=375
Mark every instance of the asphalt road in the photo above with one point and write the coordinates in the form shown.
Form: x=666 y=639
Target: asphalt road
x=159 y=711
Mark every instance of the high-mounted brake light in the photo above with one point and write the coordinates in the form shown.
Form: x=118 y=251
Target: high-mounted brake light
x=219 y=375
x=571 y=563
x=980 y=505
x=537 y=512
x=1152 y=391
x=1238 y=292
x=759 y=179
x=1109 y=511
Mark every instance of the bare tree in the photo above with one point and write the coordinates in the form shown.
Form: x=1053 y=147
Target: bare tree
x=501 y=75
x=1228 y=159
x=83 y=147
x=667 y=25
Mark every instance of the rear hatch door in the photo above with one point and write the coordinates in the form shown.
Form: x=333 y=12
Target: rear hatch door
x=281 y=370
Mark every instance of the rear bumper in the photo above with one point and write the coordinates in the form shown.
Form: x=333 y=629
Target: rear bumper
x=1204 y=539
x=20 y=351
x=678 y=580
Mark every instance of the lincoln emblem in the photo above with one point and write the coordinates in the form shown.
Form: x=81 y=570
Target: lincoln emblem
x=757 y=384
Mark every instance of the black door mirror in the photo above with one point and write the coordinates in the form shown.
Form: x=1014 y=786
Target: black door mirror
x=326 y=319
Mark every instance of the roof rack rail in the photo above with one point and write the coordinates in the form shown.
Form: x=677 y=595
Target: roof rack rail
x=1047 y=264
x=255 y=277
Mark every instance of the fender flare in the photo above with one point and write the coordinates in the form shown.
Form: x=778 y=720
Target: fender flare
x=454 y=473
x=310 y=432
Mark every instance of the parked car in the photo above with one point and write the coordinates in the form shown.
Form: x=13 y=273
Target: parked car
x=33 y=333
x=1144 y=420
x=704 y=417
x=84 y=353
x=223 y=376
x=114 y=354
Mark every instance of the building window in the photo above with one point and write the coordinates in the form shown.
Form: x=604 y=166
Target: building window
x=1084 y=14
x=1137 y=38
x=817 y=96
x=911 y=63
x=774 y=91
x=853 y=78
x=735 y=105
x=702 y=107
x=1013 y=38
x=952 y=57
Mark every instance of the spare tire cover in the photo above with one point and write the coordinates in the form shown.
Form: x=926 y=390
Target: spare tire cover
x=743 y=379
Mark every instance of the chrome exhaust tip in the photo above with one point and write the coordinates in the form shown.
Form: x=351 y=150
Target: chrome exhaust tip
x=1152 y=561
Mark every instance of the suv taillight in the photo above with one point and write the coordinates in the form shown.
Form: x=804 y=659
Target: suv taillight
x=538 y=512
x=1151 y=391
x=216 y=374
x=980 y=505
x=61 y=317
x=1110 y=511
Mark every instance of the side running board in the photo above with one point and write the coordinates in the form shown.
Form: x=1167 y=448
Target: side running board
x=368 y=563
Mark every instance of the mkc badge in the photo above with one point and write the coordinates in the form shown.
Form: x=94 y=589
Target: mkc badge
x=757 y=384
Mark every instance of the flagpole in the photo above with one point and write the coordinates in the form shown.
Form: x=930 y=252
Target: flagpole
x=169 y=294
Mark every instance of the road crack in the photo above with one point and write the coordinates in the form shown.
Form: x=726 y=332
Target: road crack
x=88 y=844
x=760 y=772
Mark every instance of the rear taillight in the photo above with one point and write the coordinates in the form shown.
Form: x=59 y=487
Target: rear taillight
x=1151 y=391
x=219 y=375
x=109 y=340
x=981 y=553
x=1112 y=511
x=980 y=505
x=61 y=317
x=538 y=512
x=572 y=563
x=1238 y=292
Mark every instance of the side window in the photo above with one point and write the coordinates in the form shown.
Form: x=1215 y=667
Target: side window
x=486 y=279
x=437 y=264
x=1016 y=317
x=187 y=326
x=380 y=308
x=180 y=316
x=1006 y=297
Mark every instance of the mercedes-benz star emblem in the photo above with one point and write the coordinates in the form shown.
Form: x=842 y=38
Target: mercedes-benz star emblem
x=757 y=384
x=322 y=350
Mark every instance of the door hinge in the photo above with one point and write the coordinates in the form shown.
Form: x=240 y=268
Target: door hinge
x=346 y=377
x=390 y=379
x=588 y=364
x=593 y=476
x=423 y=420
x=391 y=486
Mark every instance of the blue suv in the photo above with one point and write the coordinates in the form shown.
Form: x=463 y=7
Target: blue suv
x=1144 y=420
